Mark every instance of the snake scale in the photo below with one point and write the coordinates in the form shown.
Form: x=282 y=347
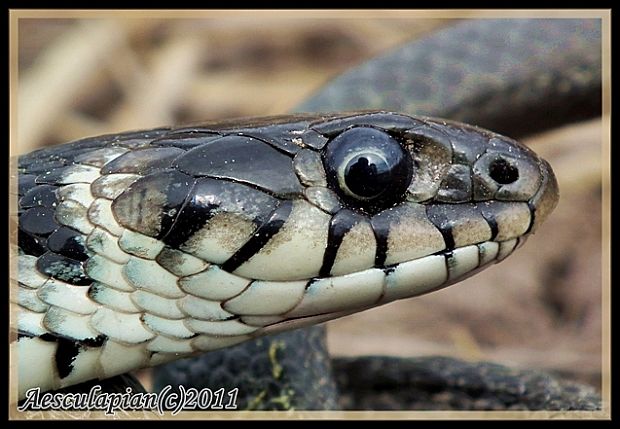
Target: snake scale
x=140 y=248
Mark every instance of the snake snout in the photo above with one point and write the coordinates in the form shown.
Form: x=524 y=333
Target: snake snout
x=547 y=197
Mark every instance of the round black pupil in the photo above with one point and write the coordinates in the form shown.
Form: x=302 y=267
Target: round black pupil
x=367 y=175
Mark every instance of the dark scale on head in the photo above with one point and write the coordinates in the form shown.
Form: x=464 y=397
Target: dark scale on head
x=151 y=204
x=263 y=234
x=245 y=160
x=210 y=196
x=143 y=161
x=186 y=139
x=339 y=226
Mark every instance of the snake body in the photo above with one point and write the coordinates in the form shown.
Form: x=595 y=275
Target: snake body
x=140 y=248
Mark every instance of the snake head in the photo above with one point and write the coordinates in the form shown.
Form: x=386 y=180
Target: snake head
x=313 y=217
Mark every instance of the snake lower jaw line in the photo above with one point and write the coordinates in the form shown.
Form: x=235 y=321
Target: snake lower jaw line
x=347 y=295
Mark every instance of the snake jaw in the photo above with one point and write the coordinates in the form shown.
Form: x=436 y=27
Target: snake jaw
x=331 y=298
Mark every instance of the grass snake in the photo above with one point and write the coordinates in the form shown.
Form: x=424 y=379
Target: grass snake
x=120 y=236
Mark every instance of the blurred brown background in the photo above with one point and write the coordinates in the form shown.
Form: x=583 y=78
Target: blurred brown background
x=539 y=309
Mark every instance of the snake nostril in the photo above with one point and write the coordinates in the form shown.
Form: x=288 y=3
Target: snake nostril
x=503 y=172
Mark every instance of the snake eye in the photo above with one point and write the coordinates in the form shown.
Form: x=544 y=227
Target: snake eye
x=368 y=167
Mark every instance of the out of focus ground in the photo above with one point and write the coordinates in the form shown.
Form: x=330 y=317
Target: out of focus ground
x=541 y=308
